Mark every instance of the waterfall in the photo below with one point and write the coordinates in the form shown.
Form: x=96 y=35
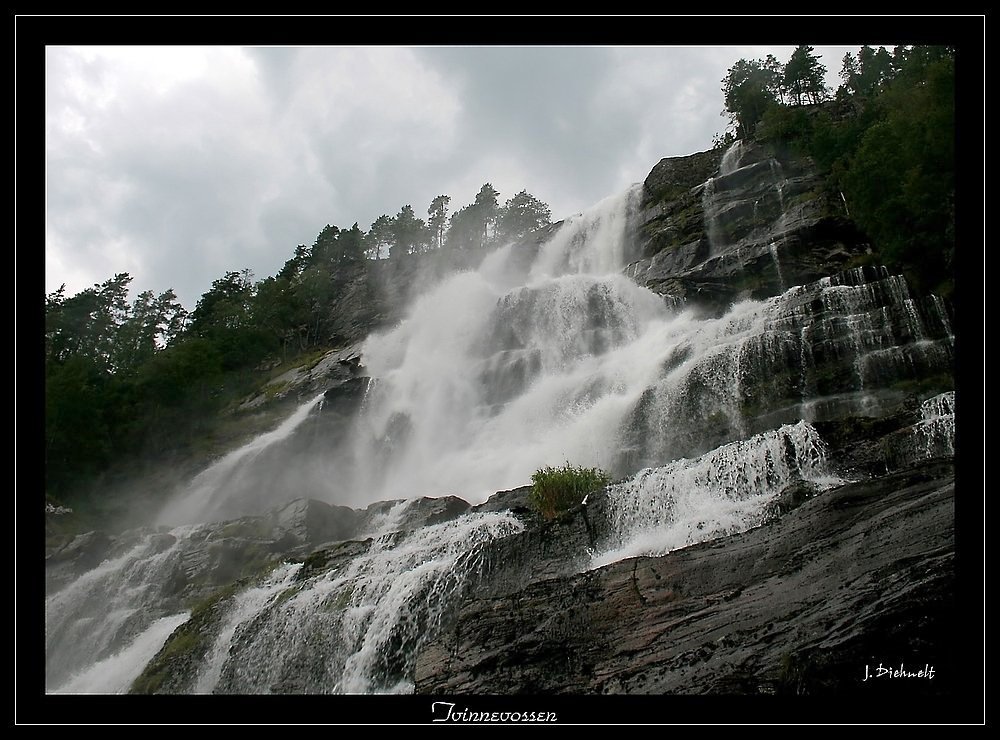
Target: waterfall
x=773 y=248
x=115 y=674
x=354 y=628
x=721 y=493
x=593 y=242
x=779 y=182
x=935 y=433
x=496 y=372
x=731 y=158
x=709 y=206
x=247 y=605
x=210 y=496
x=533 y=359
x=100 y=612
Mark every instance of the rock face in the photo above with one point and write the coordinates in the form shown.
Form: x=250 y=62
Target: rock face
x=856 y=576
x=714 y=229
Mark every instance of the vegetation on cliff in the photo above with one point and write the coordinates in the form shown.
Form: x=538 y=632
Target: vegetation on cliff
x=555 y=490
x=885 y=140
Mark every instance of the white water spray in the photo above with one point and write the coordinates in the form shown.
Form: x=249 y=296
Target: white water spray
x=102 y=610
x=115 y=674
x=246 y=605
x=210 y=495
x=721 y=493
x=355 y=628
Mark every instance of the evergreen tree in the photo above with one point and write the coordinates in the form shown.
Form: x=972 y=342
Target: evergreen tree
x=437 y=219
x=487 y=210
x=775 y=77
x=748 y=90
x=409 y=233
x=293 y=268
x=379 y=238
x=464 y=229
x=521 y=215
x=224 y=316
x=324 y=249
x=350 y=246
x=151 y=324
x=87 y=323
x=867 y=74
x=804 y=76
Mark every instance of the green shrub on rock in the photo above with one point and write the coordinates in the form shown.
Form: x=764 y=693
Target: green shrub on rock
x=556 y=489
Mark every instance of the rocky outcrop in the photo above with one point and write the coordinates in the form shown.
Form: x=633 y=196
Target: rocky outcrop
x=711 y=229
x=857 y=576
x=331 y=371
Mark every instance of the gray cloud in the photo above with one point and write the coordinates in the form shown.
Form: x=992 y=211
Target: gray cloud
x=178 y=164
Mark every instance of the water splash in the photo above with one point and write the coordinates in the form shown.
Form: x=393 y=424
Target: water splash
x=115 y=674
x=731 y=158
x=934 y=434
x=723 y=492
x=939 y=406
x=815 y=352
x=223 y=489
x=101 y=611
x=246 y=605
x=592 y=243
x=357 y=627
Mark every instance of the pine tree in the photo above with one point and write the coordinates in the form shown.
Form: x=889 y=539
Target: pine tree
x=437 y=219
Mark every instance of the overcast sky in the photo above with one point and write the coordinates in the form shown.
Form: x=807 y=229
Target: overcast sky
x=176 y=164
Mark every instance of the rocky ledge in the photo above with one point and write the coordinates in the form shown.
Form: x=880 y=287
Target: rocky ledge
x=858 y=576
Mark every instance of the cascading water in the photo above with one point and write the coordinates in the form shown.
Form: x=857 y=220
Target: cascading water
x=115 y=674
x=101 y=612
x=246 y=605
x=498 y=372
x=223 y=489
x=935 y=433
x=723 y=492
x=354 y=628
x=731 y=157
x=531 y=362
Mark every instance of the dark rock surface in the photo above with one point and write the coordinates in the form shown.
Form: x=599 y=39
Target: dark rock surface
x=400 y=516
x=859 y=575
x=67 y=557
x=710 y=238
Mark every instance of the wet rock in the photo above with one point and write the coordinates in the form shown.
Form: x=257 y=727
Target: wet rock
x=863 y=572
x=309 y=522
x=711 y=238
x=403 y=515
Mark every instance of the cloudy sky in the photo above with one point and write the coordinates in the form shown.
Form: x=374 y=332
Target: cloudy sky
x=176 y=164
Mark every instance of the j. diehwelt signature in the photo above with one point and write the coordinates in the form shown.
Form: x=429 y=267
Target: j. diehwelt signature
x=901 y=671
